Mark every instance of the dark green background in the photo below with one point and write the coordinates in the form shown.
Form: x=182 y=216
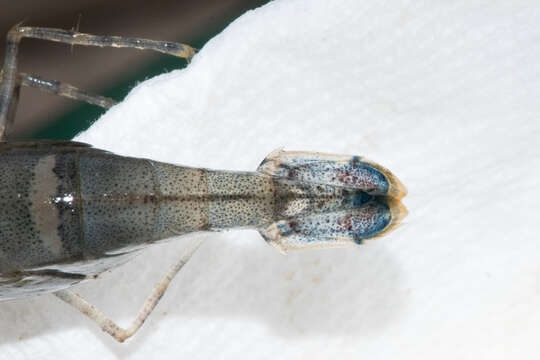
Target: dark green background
x=108 y=72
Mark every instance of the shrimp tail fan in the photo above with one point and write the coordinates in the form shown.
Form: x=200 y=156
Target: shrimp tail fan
x=327 y=200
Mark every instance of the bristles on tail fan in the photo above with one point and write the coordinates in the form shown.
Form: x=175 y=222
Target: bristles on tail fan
x=398 y=211
x=338 y=170
x=336 y=229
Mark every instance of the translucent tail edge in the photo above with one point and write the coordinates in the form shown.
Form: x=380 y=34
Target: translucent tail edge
x=331 y=169
x=399 y=212
x=336 y=229
x=378 y=213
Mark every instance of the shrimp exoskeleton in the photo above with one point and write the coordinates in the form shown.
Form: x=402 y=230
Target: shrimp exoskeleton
x=70 y=211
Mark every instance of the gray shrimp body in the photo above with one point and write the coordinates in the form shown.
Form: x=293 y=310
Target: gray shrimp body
x=69 y=212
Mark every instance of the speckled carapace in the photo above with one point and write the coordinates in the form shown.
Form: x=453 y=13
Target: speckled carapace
x=69 y=211
x=65 y=204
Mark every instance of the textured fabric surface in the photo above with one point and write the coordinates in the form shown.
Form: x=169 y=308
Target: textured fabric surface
x=445 y=94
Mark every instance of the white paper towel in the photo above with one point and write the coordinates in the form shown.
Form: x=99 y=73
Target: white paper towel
x=445 y=94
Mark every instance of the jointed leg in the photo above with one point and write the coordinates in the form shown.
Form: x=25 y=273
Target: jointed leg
x=9 y=88
x=108 y=325
x=65 y=90
x=9 y=78
x=74 y=37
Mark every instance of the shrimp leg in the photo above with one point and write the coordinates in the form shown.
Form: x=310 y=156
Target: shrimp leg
x=108 y=325
x=10 y=79
x=66 y=90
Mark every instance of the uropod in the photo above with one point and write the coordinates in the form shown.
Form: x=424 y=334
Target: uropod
x=69 y=212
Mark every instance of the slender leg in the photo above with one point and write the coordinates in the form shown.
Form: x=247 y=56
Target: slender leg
x=65 y=90
x=108 y=325
x=74 y=37
x=9 y=89
x=9 y=76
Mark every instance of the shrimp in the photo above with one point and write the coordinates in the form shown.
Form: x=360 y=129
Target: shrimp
x=69 y=212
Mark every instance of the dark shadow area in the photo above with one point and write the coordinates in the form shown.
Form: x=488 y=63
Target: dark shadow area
x=111 y=72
